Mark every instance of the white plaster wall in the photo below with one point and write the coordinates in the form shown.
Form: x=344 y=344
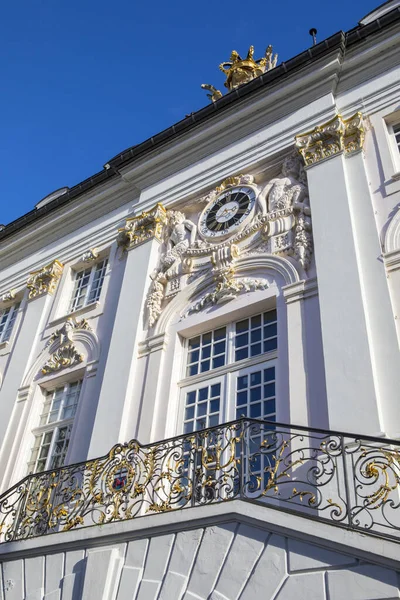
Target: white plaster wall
x=230 y=561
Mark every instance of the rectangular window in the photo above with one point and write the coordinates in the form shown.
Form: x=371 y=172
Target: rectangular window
x=54 y=431
x=245 y=353
x=87 y=285
x=7 y=320
x=396 y=131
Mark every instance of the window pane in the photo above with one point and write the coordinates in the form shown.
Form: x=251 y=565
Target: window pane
x=219 y=334
x=215 y=390
x=194 y=342
x=190 y=397
x=242 y=326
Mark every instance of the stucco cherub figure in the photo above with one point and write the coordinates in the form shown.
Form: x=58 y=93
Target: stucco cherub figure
x=181 y=234
x=303 y=228
x=282 y=191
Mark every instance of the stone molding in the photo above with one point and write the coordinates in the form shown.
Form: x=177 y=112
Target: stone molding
x=146 y=226
x=44 y=281
x=300 y=290
x=331 y=138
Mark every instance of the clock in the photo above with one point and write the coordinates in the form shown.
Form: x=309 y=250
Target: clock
x=227 y=213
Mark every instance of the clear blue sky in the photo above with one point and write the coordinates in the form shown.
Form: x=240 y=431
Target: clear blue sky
x=84 y=79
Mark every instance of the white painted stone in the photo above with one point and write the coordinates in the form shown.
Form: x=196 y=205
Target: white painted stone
x=74 y=573
x=304 y=557
x=13 y=580
x=155 y=566
x=1 y=582
x=174 y=586
x=269 y=572
x=304 y=586
x=157 y=557
x=101 y=573
x=34 y=572
x=148 y=590
x=133 y=569
x=366 y=582
x=53 y=576
x=136 y=553
x=182 y=557
x=212 y=554
x=244 y=552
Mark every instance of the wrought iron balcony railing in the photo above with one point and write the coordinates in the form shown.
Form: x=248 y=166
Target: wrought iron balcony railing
x=347 y=480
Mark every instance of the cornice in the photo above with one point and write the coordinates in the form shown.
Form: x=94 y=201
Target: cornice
x=68 y=219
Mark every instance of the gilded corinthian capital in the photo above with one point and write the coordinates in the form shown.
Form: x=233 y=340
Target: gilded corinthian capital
x=331 y=138
x=143 y=227
x=44 y=281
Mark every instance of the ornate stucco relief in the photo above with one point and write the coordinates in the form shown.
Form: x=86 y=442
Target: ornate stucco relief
x=64 y=333
x=146 y=226
x=331 y=138
x=8 y=296
x=90 y=255
x=227 y=288
x=44 y=281
x=66 y=356
x=274 y=219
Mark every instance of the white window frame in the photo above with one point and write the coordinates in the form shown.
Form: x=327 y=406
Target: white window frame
x=53 y=427
x=73 y=305
x=9 y=321
x=226 y=374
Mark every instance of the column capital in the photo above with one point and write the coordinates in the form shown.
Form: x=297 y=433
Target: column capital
x=146 y=226
x=329 y=139
x=44 y=280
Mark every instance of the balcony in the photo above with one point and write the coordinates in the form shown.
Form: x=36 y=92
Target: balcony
x=346 y=480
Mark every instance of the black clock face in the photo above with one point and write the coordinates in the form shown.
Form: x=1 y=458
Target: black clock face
x=227 y=212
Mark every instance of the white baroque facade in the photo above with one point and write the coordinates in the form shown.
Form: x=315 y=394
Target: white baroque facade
x=225 y=296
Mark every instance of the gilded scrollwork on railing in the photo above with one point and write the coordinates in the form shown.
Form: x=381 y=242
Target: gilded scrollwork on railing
x=329 y=476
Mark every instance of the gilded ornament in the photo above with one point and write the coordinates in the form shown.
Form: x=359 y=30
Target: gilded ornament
x=331 y=138
x=8 y=296
x=44 y=281
x=66 y=356
x=239 y=71
x=227 y=289
x=146 y=226
x=90 y=255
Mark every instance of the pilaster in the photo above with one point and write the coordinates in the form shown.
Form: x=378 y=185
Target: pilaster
x=139 y=248
x=41 y=285
x=354 y=299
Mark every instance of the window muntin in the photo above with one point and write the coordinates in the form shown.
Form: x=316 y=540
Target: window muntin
x=7 y=320
x=54 y=431
x=255 y=335
x=203 y=406
x=250 y=387
x=87 y=285
x=206 y=352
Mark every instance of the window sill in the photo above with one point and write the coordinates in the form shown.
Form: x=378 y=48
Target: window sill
x=75 y=313
x=393 y=185
x=4 y=344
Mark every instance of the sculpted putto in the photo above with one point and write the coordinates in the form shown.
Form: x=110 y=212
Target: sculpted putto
x=286 y=189
x=180 y=235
